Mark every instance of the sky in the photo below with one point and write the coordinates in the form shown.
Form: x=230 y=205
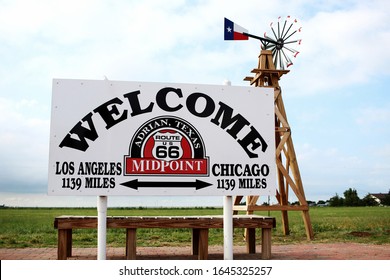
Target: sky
x=336 y=93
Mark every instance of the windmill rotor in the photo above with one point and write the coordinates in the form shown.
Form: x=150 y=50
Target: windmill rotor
x=283 y=42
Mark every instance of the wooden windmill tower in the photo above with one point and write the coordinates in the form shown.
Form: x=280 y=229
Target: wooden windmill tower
x=273 y=59
x=288 y=174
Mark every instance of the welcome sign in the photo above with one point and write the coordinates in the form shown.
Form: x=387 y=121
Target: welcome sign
x=138 y=138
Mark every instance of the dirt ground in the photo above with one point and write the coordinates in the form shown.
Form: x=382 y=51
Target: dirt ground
x=310 y=251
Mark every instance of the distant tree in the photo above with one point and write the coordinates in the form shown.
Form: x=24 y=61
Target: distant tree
x=386 y=200
x=336 y=201
x=368 y=200
x=351 y=198
x=310 y=202
x=321 y=202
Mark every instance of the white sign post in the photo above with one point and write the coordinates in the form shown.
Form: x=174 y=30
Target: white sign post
x=102 y=227
x=228 y=228
x=228 y=221
x=135 y=138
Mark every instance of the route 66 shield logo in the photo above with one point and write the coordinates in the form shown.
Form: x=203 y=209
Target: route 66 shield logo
x=167 y=146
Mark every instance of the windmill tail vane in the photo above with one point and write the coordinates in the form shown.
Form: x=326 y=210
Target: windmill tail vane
x=281 y=41
x=234 y=31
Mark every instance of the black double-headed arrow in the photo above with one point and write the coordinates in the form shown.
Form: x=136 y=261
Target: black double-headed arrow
x=135 y=184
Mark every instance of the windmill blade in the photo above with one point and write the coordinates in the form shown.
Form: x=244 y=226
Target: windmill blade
x=280 y=61
x=291 y=50
x=275 y=57
x=295 y=41
x=287 y=59
x=284 y=26
x=287 y=31
x=290 y=35
x=273 y=31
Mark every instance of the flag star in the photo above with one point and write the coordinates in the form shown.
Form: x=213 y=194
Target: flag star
x=229 y=29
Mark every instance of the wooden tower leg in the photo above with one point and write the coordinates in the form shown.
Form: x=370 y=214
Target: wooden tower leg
x=308 y=227
x=281 y=194
x=237 y=201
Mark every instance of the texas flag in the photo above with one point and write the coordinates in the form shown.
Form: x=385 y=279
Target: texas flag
x=234 y=32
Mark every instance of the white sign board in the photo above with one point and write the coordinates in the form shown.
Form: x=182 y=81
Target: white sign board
x=138 y=138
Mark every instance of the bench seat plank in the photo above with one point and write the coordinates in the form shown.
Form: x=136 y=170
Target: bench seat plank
x=247 y=221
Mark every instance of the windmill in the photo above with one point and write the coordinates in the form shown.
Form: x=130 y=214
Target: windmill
x=278 y=49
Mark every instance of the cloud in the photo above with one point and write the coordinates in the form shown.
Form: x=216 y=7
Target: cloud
x=343 y=48
x=372 y=123
x=374 y=116
x=327 y=169
x=145 y=39
x=23 y=144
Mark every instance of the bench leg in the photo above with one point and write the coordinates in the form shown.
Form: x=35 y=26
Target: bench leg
x=69 y=243
x=203 y=244
x=131 y=243
x=266 y=243
x=195 y=241
x=64 y=249
x=250 y=240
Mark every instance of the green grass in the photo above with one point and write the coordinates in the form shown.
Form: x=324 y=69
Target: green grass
x=33 y=227
x=339 y=224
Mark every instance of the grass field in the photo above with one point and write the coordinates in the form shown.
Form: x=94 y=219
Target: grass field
x=33 y=227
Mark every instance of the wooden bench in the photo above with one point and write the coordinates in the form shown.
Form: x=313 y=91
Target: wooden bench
x=200 y=226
